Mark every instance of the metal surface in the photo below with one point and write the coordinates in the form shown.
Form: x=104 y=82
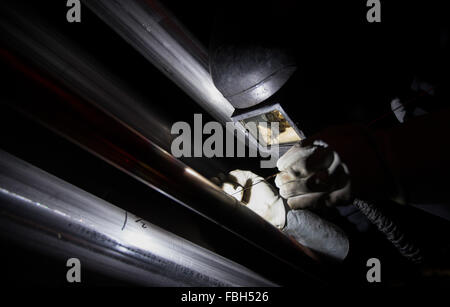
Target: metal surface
x=151 y=30
x=51 y=214
x=51 y=51
x=118 y=144
x=160 y=38
x=114 y=141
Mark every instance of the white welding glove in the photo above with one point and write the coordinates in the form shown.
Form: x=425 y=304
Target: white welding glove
x=312 y=175
x=307 y=228
x=260 y=197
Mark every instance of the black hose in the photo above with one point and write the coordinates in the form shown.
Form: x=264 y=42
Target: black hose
x=391 y=230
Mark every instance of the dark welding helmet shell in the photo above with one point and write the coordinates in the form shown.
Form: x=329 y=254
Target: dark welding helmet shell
x=248 y=75
x=249 y=56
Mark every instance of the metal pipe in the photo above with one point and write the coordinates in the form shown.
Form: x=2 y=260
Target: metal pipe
x=53 y=52
x=126 y=149
x=49 y=213
x=118 y=144
x=47 y=48
x=151 y=30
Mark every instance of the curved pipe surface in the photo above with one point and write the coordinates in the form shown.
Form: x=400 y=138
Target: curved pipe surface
x=51 y=214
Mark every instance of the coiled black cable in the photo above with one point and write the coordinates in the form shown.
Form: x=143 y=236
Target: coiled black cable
x=391 y=230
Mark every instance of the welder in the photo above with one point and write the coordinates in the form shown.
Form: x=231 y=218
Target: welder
x=405 y=163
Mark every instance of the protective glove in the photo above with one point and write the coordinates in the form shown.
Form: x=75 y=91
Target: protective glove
x=307 y=228
x=260 y=197
x=312 y=175
x=318 y=234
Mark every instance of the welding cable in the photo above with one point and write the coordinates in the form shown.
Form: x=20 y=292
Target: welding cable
x=391 y=230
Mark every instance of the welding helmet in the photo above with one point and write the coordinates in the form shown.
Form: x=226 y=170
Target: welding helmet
x=249 y=56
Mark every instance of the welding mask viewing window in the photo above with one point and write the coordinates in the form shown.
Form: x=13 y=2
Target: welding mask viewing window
x=251 y=64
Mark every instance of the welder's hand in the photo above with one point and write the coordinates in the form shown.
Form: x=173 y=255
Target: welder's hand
x=312 y=175
x=260 y=196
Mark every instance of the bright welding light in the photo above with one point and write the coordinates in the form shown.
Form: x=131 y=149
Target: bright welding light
x=287 y=133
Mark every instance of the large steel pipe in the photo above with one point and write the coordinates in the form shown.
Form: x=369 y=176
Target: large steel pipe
x=59 y=56
x=126 y=149
x=50 y=214
x=158 y=36
x=109 y=138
